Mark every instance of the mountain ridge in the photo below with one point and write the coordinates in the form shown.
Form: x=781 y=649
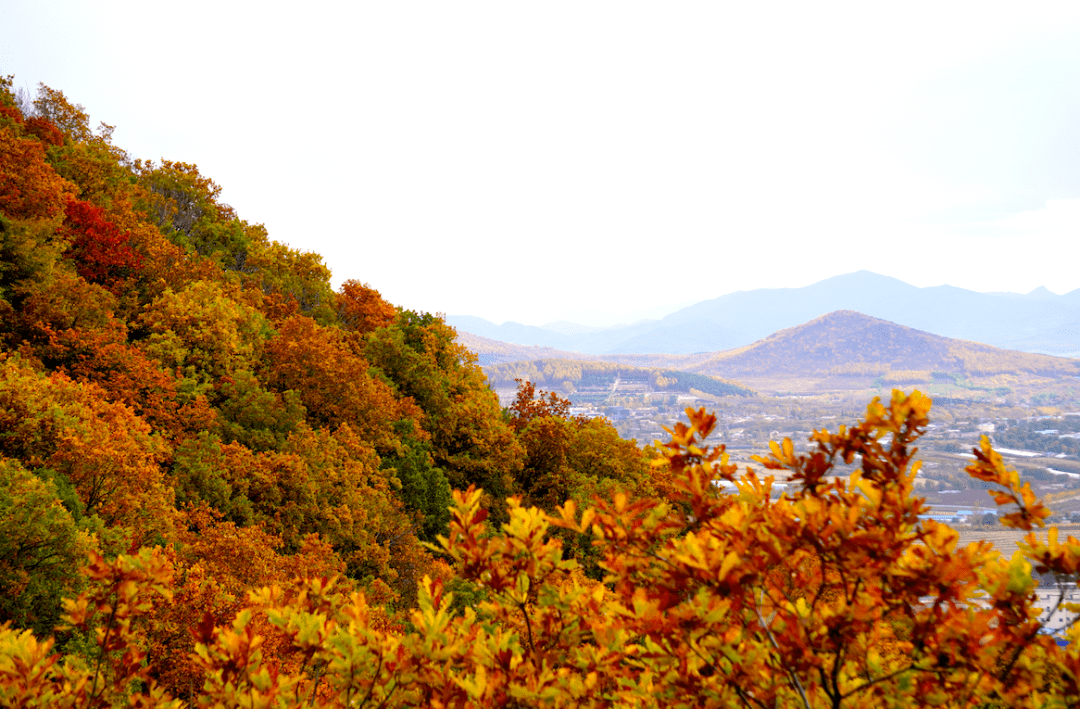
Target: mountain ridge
x=841 y=350
x=1038 y=322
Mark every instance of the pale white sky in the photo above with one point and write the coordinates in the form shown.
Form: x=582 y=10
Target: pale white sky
x=599 y=161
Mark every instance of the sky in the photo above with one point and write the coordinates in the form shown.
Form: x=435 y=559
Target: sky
x=600 y=162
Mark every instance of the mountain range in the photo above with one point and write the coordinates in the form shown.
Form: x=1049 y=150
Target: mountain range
x=1039 y=321
x=840 y=351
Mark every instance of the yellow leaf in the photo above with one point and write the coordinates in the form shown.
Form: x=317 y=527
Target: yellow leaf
x=729 y=563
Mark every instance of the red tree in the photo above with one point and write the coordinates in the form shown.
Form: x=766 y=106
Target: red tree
x=101 y=251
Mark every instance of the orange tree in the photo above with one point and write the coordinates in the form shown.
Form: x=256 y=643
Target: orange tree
x=571 y=457
x=835 y=594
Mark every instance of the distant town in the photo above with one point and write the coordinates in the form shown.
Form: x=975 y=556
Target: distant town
x=822 y=374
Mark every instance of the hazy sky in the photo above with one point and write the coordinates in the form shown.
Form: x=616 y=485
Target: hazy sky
x=598 y=161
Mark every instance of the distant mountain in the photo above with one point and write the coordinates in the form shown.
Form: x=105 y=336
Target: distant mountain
x=1039 y=321
x=490 y=351
x=511 y=332
x=839 y=351
x=560 y=335
x=564 y=327
x=849 y=344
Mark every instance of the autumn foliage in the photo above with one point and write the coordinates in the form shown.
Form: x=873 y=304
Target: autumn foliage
x=225 y=483
x=101 y=251
x=834 y=595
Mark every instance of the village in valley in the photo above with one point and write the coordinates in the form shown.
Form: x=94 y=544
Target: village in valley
x=1037 y=433
x=1028 y=405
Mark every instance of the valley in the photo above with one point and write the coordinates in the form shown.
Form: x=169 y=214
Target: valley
x=822 y=374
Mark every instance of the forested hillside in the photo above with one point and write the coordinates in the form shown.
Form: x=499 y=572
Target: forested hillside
x=224 y=483
x=576 y=375
x=171 y=376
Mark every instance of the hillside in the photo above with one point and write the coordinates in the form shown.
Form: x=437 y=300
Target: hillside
x=594 y=382
x=174 y=382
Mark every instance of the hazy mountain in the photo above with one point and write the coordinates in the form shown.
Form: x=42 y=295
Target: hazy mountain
x=560 y=335
x=1039 y=321
x=839 y=351
x=490 y=351
x=511 y=332
x=564 y=327
x=849 y=344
